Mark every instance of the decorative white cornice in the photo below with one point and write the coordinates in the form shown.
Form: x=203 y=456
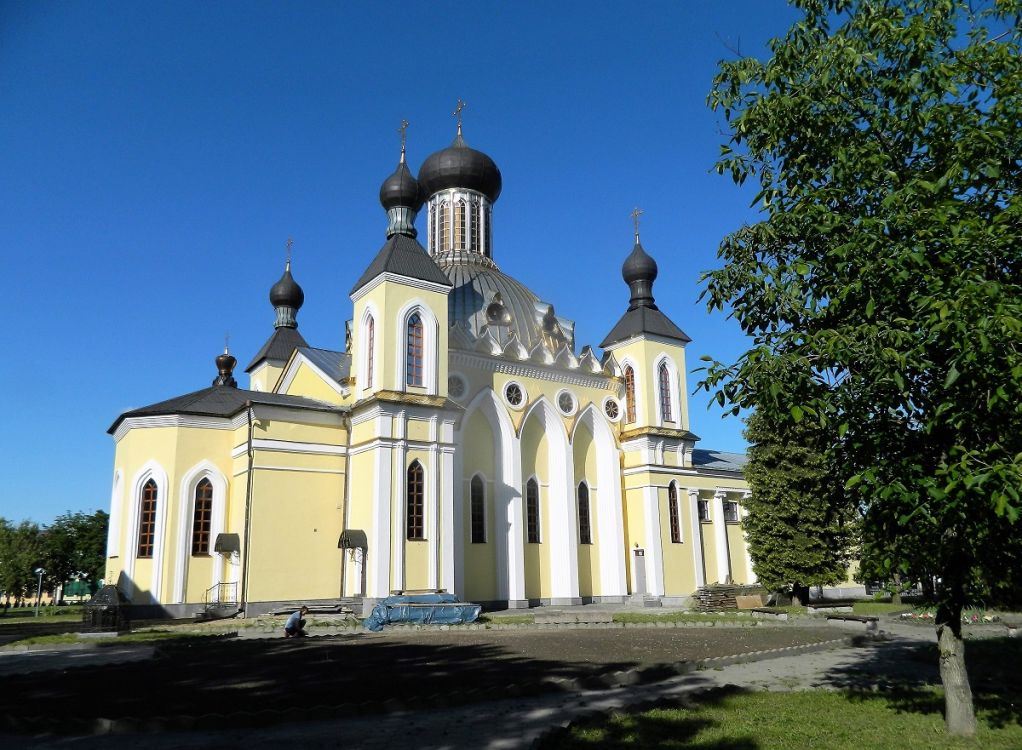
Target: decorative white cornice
x=376 y=409
x=524 y=370
x=171 y=420
x=645 y=337
x=678 y=471
x=429 y=286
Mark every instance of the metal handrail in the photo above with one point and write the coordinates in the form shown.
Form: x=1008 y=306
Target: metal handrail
x=221 y=594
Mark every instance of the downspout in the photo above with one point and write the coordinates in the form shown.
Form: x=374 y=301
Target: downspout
x=248 y=515
x=346 y=493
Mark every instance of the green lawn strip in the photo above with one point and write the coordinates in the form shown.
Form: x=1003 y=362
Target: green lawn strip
x=23 y=618
x=692 y=617
x=879 y=608
x=506 y=619
x=142 y=636
x=782 y=721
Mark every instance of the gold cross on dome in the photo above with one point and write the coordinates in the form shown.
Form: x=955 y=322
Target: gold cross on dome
x=636 y=213
x=457 y=113
x=403 y=131
x=290 y=242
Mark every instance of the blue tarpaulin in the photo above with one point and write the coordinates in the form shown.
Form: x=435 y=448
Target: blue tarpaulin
x=421 y=609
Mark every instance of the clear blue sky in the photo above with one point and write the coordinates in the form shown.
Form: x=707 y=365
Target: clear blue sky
x=155 y=157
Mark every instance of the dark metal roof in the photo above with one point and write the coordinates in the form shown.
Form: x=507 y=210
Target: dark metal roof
x=220 y=401
x=278 y=347
x=335 y=364
x=401 y=189
x=718 y=460
x=403 y=256
x=286 y=292
x=641 y=320
x=459 y=166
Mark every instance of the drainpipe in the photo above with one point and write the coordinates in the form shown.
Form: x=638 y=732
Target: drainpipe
x=248 y=516
x=346 y=493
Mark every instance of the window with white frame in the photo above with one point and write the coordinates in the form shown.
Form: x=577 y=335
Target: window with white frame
x=664 y=376
x=370 y=347
x=478 y=498
x=672 y=512
x=731 y=511
x=414 y=362
x=629 y=394
x=704 y=510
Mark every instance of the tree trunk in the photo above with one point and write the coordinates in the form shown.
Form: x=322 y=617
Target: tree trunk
x=800 y=594
x=896 y=593
x=959 y=715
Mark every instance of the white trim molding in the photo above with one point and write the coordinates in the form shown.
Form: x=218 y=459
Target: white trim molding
x=149 y=470
x=186 y=513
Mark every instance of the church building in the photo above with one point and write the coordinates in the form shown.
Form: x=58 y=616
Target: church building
x=462 y=441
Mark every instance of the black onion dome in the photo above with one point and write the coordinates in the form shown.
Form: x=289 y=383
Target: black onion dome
x=459 y=166
x=401 y=189
x=286 y=292
x=638 y=266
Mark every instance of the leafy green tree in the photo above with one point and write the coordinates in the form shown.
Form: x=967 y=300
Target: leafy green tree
x=801 y=523
x=882 y=288
x=21 y=553
x=76 y=548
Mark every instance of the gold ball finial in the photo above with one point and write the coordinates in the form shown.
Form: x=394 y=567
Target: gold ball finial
x=457 y=113
x=636 y=213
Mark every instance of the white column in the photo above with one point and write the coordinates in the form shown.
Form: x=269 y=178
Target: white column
x=720 y=537
x=654 y=556
x=398 y=504
x=610 y=521
x=564 y=519
x=458 y=519
x=378 y=583
x=697 y=537
x=433 y=513
x=511 y=494
x=751 y=577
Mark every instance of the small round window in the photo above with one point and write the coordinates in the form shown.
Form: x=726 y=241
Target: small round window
x=456 y=386
x=566 y=402
x=513 y=394
x=611 y=409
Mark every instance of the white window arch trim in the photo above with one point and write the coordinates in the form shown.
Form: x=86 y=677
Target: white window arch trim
x=364 y=354
x=640 y=412
x=113 y=533
x=430 y=337
x=539 y=508
x=675 y=392
x=149 y=470
x=202 y=470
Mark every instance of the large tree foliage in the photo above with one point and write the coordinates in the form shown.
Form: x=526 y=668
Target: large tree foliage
x=21 y=553
x=75 y=548
x=883 y=287
x=801 y=524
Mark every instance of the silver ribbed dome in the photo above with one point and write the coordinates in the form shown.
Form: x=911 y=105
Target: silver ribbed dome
x=474 y=288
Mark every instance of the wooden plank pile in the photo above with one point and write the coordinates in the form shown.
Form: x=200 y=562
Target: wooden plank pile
x=716 y=598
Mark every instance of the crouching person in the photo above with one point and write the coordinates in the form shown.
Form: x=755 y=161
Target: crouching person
x=295 y=625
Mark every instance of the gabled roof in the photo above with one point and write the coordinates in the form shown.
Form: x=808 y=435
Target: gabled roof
x=278 y=347
x=703 y=458
x=335 y=364
x=403 y=256
x=220 y=401
x=644 y=319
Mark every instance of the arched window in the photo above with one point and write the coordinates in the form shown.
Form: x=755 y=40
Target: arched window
x=474 y=224
x=532 y=511
x=629 y=394
x=432 y=227
x=147 y=521
x=201 y=517
x=489 y=233
x=672 y=511
x=416 y=493
x=460 y=230
x=585 y=534
x=413 y=363
x=445 y=226
x=370 y=345
x=478 y=512
x=665 y=393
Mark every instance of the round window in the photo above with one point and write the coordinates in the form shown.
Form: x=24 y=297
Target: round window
x=513 y=394
x=456 y=386
x=566 y=402
x=611 y=409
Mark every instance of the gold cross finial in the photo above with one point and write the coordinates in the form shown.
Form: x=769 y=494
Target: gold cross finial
x=457 y=113
x=403 y=130
x=288 y=245
x=636 y=213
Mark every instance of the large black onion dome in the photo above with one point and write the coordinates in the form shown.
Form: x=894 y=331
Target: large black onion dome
x=401 y=189
x=459 y=166
x=286 y=292
x=639 y=271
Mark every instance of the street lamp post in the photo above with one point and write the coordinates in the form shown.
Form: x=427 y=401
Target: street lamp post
x=39 y=590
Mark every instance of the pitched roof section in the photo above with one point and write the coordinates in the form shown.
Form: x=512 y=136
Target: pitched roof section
x=403 y=256
x=335 y=364
x=648 y=320
x=278 y=347
x=220 y=401
x=719 y=461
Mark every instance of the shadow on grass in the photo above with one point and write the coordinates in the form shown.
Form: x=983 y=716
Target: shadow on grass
x=906 y=677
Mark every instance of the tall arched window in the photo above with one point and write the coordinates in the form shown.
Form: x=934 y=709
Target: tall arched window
x=665 y=392
x=413 y=363
x=147 y=521
x=370 y=344
x=532 y=511
x=202 y=517
x=478 y=512
x=460 y=220
x=474 y=224
x=629 y=394
x=445 y=226
x=585 y=534
x=432 y=227
x=672 y=511
x=416 y=493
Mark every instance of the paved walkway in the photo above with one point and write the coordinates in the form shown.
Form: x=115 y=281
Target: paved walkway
x=518 y=723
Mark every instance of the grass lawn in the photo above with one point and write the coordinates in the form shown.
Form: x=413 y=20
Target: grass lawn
x=699 y=617
x=46 y=614
x=880 y=608
x=779 y=721
x=142 y=636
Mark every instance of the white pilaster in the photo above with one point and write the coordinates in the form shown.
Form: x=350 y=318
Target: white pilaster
x=399 y=500
x=751 y=576
x=447 y=516
x=720 y=537
x=697 y=538
x=433 y=506
x=458 y=523
x=513 y=526
x=654 y=556
x=378 y=583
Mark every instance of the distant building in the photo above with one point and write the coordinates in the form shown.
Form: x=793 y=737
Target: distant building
x=461 y=442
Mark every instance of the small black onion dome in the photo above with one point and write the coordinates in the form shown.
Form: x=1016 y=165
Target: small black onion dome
x=286 y=292
x=225 y=364
x=639 y=266
x=401 y=189
x=459 y=166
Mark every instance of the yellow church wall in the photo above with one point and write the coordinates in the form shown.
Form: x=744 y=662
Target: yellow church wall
x=643 y=354
x=736 y=553
x=584 y=455
x=480 y=559
x=416 y=552
x=310 y=384
x=265 y=378
x=295 y=527
x=679 y=576
x=535 y=462
x=418 y=429
x=360 y=507
x=300 y=461
x=200 y=575
x=635 y=530
x=298 y=432
x=141 y=583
